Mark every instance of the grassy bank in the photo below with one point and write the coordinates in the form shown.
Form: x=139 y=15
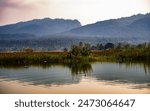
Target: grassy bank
x=123 y=55
x=24 y=58
x=31 y=58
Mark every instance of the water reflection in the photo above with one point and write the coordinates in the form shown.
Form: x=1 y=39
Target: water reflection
x=75 y=67
x=122 y=73
x=142 y=65
x=135 y=74
x=82 y=68
x=46 y=73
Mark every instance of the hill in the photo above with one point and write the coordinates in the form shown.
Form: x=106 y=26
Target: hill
x=136 y=26
x=40 y=27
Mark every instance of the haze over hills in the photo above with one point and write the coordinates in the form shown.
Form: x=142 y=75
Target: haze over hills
x=128 y=27
x=50 y=34
x=40 y=27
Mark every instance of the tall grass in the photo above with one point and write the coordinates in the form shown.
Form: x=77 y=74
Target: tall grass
x=124 y=54
x=117 y=55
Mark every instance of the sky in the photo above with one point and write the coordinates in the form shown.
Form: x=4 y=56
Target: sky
x=86 y=11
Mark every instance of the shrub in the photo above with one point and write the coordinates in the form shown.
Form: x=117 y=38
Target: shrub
x=80 y=50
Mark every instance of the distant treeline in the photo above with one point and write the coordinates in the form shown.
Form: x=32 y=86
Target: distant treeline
x=124 y=52
x=59 y=43
x=110 y=45
x=79 y=53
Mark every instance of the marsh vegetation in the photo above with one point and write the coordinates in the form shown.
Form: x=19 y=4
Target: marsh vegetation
x=81 y=53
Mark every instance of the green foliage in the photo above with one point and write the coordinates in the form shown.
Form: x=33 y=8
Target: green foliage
x=109 y=46
x=78 y=54
x=126 y=53
x=80 y=50
x=75 y=50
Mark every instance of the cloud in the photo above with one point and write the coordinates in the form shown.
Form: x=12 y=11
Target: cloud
x=87 y=11
x=5 y=4
x=15 y=9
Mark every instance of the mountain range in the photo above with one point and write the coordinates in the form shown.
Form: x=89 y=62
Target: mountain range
x=40 y=27
x=60 y=33
x=128 y=27
x=135 y=26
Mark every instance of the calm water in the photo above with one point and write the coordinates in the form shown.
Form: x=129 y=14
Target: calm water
x=76 y=78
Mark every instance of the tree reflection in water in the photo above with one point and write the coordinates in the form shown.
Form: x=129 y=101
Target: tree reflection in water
x=80 y=68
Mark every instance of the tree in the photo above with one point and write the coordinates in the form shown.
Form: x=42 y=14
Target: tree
x=80 y=44
x=86 y=50
x=119 y=46
x=101 y=47
x=80 y=50
x=65 y=50
x=75 y=50
x=109 y=46
x=143 y=45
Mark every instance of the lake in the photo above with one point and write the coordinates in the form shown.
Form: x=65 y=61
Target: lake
x=95 y=78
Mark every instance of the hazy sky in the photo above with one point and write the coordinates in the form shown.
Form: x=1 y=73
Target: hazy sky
x=86 y=11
